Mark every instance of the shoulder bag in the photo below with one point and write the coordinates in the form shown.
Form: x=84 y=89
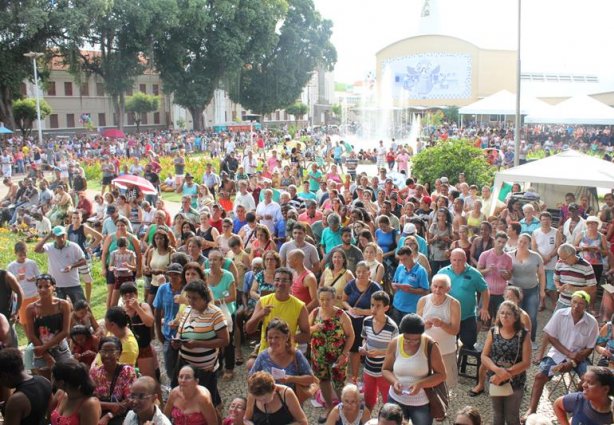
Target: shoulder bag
x=439 y=399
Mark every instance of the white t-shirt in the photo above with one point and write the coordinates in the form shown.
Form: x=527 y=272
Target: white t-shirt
x=30 y=270
x=546 y=243
x=59 y=259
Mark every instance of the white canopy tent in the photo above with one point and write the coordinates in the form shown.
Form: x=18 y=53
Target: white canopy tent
x=575 y=110
x=503 y=103
x=568 y=168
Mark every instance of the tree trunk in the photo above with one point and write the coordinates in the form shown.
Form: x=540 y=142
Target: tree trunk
x=122 y=110
x=6 y=109
x=197 y=117
x=138 y=123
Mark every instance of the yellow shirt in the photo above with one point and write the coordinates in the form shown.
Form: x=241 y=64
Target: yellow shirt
x=288 y=311
x=130 y=350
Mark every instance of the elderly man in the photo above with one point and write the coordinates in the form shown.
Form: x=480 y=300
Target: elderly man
x=573 y=333
x=572 y=273
x=331 y=235
x=467 y=282
x=529 y=223
x=280 y=305
x=268 y=211
x=244 y=198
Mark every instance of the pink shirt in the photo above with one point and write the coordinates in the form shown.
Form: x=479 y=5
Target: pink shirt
x=305 y=218
x=496 y=284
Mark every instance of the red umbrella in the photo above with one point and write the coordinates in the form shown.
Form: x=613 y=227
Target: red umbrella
x=114 y=133
x=143 y=184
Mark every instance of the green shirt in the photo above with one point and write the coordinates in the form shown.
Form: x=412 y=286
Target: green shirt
x=465 y=287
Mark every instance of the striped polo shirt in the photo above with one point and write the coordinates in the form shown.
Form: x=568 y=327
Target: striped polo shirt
x=377 y=341
x=580 y=275
x=197 y=326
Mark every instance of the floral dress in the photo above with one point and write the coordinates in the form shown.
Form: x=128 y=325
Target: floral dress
x=508 y=352
x=326 y=347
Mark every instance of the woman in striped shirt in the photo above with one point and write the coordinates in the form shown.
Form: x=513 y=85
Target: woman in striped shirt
x=202 y=331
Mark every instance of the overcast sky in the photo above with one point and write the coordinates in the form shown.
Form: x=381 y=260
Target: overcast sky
x=557 y=35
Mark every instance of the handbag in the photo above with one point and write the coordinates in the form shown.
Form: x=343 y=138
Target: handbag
x=439 y=398
x=505 y=389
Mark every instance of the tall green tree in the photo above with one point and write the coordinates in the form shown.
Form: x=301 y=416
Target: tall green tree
x=139 y=104
x=24 y=111
x=25 y=26
x=275 y=79
x=124 y=32
x=209 y=41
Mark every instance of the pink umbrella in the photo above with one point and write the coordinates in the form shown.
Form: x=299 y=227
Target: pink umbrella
x=114 y=133
x=143 y=184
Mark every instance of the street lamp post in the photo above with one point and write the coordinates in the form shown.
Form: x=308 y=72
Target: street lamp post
x=517 y=121
x=34 y=56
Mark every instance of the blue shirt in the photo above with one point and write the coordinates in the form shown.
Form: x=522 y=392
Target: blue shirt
x=465 y=287
x=423 y=247
x=330 y=239
x=165 y=300
x=416 y=278
x=529 y=227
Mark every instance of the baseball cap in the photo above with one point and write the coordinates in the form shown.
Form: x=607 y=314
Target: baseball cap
x=427 y=200
x=189 y=176
x=573 y=206
x=444 y=180
x=409 y=229
x=592 y=219
x=59 y=231
x=111 y=209
x=174 y=268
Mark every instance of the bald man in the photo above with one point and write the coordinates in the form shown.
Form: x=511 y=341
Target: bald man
x=143 y=395
x=467 y=283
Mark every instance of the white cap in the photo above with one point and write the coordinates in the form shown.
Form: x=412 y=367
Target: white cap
x=409 y=229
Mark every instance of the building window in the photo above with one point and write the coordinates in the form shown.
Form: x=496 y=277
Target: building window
x=115 y=122
x=85 y=89
x=277 y=115
x=234 y=115
x=53 y=121
x=67 y=88
x=155 y=89
x=50 y=88
x=70 y=120
x=156 y=117
x=144 y=119
x=99 y=89
x=102 y=119
x=130 y=119
x=143 y=88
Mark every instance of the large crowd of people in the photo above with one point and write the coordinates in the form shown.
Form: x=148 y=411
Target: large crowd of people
x=325 y=282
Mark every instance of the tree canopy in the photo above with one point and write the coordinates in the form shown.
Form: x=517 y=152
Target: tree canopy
x=449 y=158
x=24 y=111
x=275 y=79
x=139 y=104
x=210 y=40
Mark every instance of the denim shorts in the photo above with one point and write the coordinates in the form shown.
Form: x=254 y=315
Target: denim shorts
x=547 y=363
x=60 y=353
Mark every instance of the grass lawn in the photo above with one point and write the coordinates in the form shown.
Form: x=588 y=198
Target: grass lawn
x=99 y=287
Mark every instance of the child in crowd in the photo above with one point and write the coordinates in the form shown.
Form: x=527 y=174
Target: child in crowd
x=25 y=270
x=82 y=315
x=83 y=344
x=378 y=330
x=123 y=266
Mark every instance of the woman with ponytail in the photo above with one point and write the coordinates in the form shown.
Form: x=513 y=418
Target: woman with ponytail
x=117 y=322
x=74 y=402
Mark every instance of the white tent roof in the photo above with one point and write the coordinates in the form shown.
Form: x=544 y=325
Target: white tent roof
x=503 y=103
x=569 y=168
x=575 y=110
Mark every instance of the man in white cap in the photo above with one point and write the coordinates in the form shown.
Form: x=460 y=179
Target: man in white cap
x=65 y=258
